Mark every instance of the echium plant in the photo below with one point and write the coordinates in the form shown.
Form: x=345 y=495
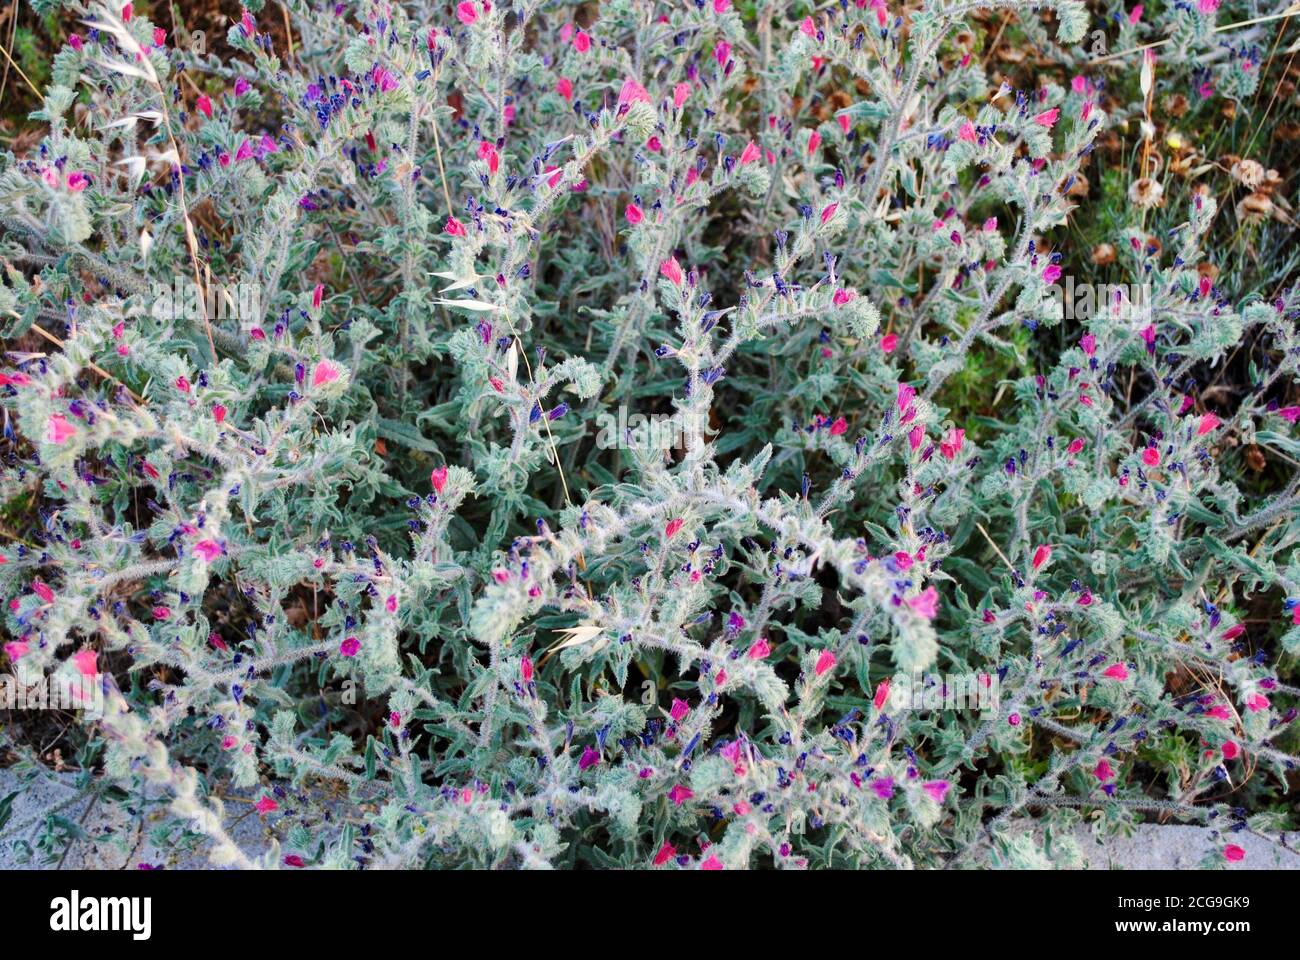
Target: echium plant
x=362 y=527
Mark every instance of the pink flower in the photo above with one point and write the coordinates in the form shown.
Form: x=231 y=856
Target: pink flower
x=58 y=430
x=1208 y=422
x=882 y=694
x=1048 y=118
x=162 y=613
x=438 y=478
x=631 y=93
x=266 y=805
x=77 y=181
x=713 y=863
x=350 y=647
x=814 y=141
x=633 y=214
x=749 y=154
x=208 y=550
x=1052 y=274
x=1230 y=750
x=390 y=604
x=127 y=12
x=666 y=853
x=883 y=787
x=326 y=372
x=75 y=42
x=43 y=591
x=937 y=789
x=722 y=52
x=843 y=296
x=721 y=6
x=1289 y=414
x=679 y=709
x=952 y=442
x=16 y=649
x=293 y=860
x=967 y=132
x=564 y=87
x=245 y=151
x=845 y=121
x=86 y=662
x=1116 y=671
x=219 y=412
x=582 y=42
x=1088 y=344
x=1151 y=457
x=1103 y=771
x=526 y=669
x=808 y=28
x=680 y=92
x=671 y=269
x=925 y=603
x=829 y=211
x=839 y=427
x=760 y=649
x=671 y=528
x=590 y=757
x=889 y=342
x=1042 y=555
x=1257 y=702
x=317 y=295
x=1078 y=83
x=454 y=227
x=824 y=662
x=1233 y=853
x=679 y=794
x=466 y=12
x=906 y=393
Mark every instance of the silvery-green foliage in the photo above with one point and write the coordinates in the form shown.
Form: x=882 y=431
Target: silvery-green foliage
x=367 y=537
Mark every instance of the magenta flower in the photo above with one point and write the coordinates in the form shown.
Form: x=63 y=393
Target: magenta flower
x=671 y=528
x=814 y=141
x=42 y=590
x=749 y=154
x=1048 y=118
x=906 y=393
x=883 y=787
x=590 y=757
x=1208 y=422
x=633 y=214
x=350 y=647
x=679 y=794
x=631 y=93
x=1233 y=853
x=1042 y=555
x=713 y=863
x=582 y=42
x=925 y=603
x=1052 y=274
x=666 y=853
x=1116 y=671
x=326 y=372
x=466 y=12
x=722 y=52
x=672 y=270
x=759 y=649
x=58 y=430
x=208 y=550
x=936 y=789
x=882 y=694
x=952 y=443
x=889 y=343
x=454 y=227
x=266 y=805
x=825 y=661
x=1135 y=15
x=1103 y=771
x=1076 y=446
x=679 y=709
x=1151 y=457
x=829 y=211
x=564 y=87
x=967 y=132
x=86 y=662
x=680 y=92
x=15 y=650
